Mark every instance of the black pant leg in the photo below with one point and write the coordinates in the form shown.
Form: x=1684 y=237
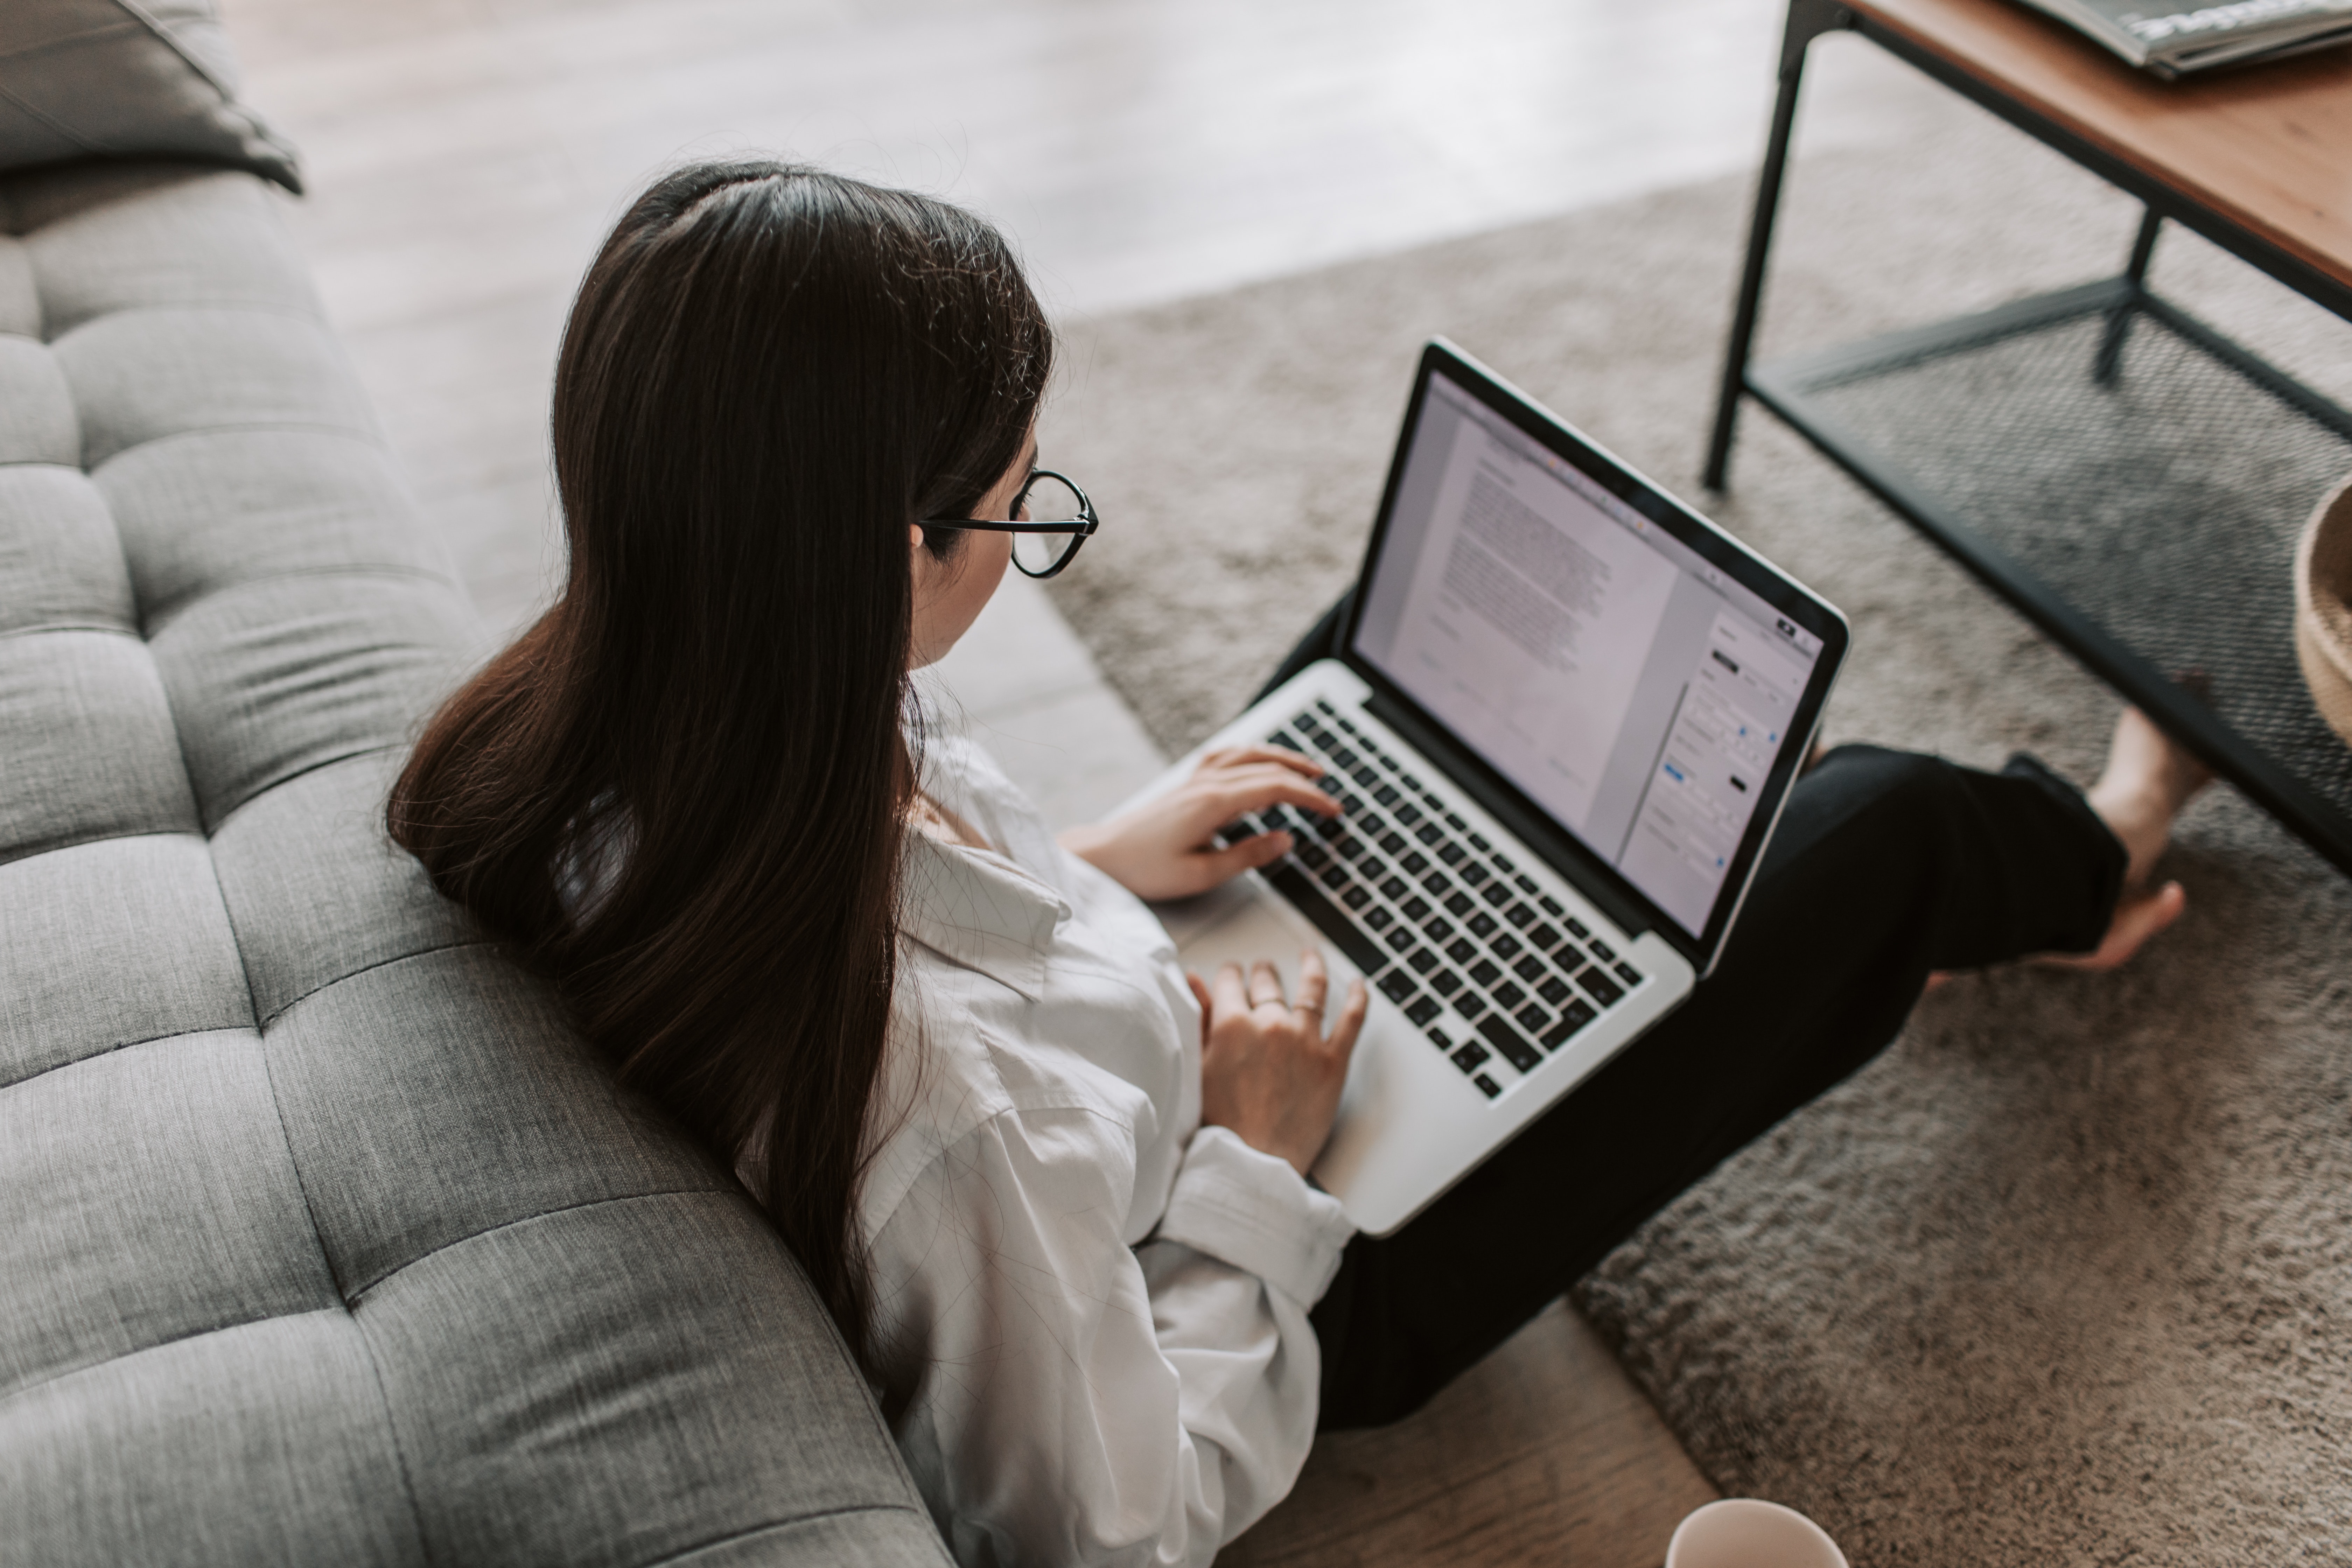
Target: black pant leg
x=1885 y=866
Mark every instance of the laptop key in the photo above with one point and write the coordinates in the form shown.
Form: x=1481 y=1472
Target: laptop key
x=1601 y=950
x=1437 y=882
x=1462 y=951
x=1481 y=924
x=1414 y=864
x=1442 y=1040
x=1439 y=928
x=1378 y=919
x=1579 y=1013
x=1461 y=904
x=1445 y=982
x=1395 y=843
x=1343 y=933
x=1469 y=1004
x=1487 y=1086
x=1551 y=905
x=1603 y=989
x=1371 y=868
x=1356 y=896
x=1472 y=873
x=1553 y=990
x=1424 y=1009
x=1508 y=995
x=1532 y=1018
x=1387 y=795
x=1544 y=938
x=1429 y=832
x=1334 y=877
x=1505 y=866
x=1525 y=883
x=1515 y=1047
x=1423 y=961
x=1367 y=776
x=1529 y=968
x=1628 y=973
x=1578 y=930
x=1398 y=987
x=1472 y=1057
x=1451 y=853
x=1408 y=814
x=1521 y=915
x=1413 y=909
x=1401 y=938
x=1505 y=946
x=1483 y=973
x=1497 y=894
x=1394 y=888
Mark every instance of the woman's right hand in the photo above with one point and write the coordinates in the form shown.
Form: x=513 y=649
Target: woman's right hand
x=1267 y=1069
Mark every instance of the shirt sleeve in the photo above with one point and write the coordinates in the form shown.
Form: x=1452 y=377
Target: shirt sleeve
x=1067 y=1400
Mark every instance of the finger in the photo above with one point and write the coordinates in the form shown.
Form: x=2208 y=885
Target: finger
x=1295 y=761
x=1208 y=1003
x=1255 y=789
x=1228 y=994
x=1314 y=983
x=1264 y=984
x=1205 y=869
x=1351 y=1021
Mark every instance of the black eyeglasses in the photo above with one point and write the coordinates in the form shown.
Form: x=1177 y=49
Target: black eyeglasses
x=1051 y=518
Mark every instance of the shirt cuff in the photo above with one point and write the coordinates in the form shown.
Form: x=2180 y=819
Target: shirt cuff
x=1253 y=1211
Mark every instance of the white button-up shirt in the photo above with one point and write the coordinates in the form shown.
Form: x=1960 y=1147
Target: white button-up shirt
x=1091 y=1310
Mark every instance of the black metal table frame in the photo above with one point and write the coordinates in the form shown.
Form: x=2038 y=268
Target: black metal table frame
x=2311 y=817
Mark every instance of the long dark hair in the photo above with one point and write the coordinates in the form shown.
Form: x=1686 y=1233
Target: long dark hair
x=680 y=793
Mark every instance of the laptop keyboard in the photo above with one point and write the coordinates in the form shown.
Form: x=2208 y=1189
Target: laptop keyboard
x=1491 y=968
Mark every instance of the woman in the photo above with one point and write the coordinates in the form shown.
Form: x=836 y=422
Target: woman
x=1050 y=1186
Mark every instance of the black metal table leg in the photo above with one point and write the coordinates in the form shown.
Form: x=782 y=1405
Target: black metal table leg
x=1808 y=19
x=2111 y=341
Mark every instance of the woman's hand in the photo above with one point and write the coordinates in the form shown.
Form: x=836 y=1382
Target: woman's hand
x=1161 y=848
x=1268 y=1071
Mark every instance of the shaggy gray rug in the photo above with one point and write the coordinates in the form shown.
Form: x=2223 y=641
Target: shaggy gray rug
x=2066 y=1276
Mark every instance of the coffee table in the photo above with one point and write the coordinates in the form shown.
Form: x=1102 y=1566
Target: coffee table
x=2130 y=478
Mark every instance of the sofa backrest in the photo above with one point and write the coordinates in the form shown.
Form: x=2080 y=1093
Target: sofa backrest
x=324 y=1239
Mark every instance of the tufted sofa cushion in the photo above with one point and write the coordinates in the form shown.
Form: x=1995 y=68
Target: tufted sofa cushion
x=324 y=1240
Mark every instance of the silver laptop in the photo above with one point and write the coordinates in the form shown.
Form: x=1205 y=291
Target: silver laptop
x=1566 y=716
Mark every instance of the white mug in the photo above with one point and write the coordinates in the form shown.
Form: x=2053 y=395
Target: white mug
x=1747 y=1532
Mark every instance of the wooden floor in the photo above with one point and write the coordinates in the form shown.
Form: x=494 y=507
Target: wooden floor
x=465 y=156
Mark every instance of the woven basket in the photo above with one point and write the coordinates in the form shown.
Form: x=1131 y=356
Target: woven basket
x=2323 y=608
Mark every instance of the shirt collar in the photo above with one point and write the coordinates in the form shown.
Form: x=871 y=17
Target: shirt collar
x=975 y=908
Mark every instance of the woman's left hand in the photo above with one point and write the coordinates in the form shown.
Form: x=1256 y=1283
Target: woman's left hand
x=1161 y=849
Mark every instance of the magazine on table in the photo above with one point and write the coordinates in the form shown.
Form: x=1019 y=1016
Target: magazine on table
x=2172 y=40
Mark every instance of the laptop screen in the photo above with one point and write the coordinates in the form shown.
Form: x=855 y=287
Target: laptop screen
x=1615 y=677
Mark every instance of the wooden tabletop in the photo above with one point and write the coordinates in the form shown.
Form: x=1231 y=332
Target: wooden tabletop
x=2268 y=148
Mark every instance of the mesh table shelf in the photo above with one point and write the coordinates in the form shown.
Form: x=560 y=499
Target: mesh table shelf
x=2127 y=478
x=2132 y=481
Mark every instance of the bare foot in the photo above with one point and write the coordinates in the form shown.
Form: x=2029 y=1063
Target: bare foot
x=2138 y=916
x=2149 y=779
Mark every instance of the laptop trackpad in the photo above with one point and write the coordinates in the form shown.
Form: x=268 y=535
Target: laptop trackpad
x=1258 y=927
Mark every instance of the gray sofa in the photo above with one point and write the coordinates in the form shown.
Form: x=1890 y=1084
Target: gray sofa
x=325 y=1240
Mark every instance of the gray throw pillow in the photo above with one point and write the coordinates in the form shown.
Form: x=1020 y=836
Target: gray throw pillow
x=127 y=79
